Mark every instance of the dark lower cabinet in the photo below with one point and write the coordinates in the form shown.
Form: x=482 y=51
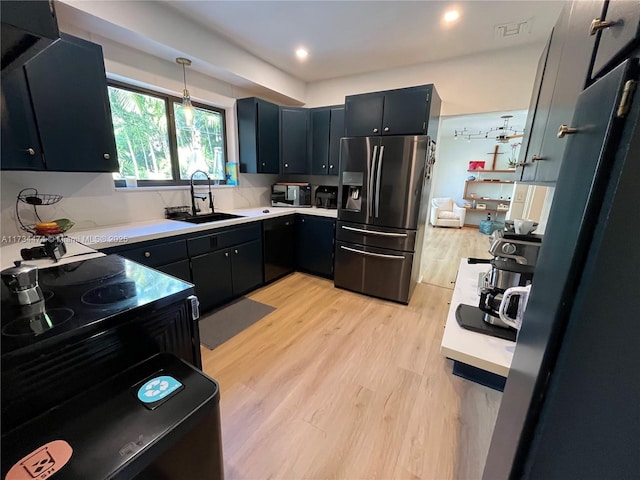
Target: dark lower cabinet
x=315 y=245
x=279 y=241
x=179 y=270
x=211 y=274
x=246 y=267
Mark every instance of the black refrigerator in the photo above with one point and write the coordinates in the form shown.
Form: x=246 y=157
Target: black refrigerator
x=571 y=405
x=382 y=202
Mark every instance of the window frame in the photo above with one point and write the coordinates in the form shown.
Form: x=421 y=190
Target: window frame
x=169 y=100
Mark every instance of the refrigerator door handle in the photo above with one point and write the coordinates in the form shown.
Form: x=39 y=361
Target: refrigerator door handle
x=378 y=180
x=371 y=254
x=373 y=232
x=373 y=170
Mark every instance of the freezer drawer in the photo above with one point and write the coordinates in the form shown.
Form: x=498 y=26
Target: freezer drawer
x=374 y=271
x=374 y=236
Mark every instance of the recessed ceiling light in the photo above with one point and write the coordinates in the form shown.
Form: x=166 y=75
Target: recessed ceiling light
x=302 y=53
x=451 y=16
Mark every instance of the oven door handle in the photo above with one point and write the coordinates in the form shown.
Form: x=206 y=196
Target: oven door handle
x=373 y=232
x=371 y=254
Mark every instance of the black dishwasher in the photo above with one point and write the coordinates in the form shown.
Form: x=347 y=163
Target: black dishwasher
x=279 y=241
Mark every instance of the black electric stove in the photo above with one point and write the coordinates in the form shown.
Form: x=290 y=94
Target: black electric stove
x=99 y=316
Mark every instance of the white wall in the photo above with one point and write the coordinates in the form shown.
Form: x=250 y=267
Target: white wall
x=491 y=82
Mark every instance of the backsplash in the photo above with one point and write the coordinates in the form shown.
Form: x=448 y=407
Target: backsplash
x=90 y=199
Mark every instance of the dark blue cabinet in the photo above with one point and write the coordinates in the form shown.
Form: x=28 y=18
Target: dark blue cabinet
x=315 y=245
x=246 y=267
x=211 y=275
x=258 y=135
x=294 y=127
x=67 y=92
x=327 y=128
x=403 y=111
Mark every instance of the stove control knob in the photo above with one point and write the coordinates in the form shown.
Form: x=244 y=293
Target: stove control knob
x=509 y=248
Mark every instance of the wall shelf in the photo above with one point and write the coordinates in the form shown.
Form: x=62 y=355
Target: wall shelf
x=490 y=181
x=492 y=171
x=478 y=199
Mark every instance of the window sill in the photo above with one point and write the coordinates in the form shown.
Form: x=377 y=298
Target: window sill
x=168 y=187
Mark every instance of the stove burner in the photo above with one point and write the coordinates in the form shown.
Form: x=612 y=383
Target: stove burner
x=108 y=294
x=101 y=268
x=38 y=324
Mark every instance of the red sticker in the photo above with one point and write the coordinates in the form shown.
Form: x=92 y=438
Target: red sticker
x=42 y=463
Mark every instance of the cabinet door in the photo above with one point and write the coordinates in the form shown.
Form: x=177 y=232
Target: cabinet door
x=616 y=39
x=68 y=89
x=246 y=267
x=363 y=114
x=20 y=144
x=268 y=137
x=211 y=275
x=405 y=111
x=180 y=270
x=570 y=80
x=279 y=240
x=315 y=245
x=336 y=132
x=293 y=140
x=538 y=127
x=320 y=139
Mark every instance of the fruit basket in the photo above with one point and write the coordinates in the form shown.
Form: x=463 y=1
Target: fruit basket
x=32 y=197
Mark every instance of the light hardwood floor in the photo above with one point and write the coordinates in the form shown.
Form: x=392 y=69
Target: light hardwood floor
x=333 y=384
x=444 y=244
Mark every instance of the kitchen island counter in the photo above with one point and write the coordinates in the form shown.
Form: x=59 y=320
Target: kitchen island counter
x=130 y=233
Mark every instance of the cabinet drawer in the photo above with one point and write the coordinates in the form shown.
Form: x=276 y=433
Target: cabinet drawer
x=223 y=238
x=156 y=255
x=618 y=38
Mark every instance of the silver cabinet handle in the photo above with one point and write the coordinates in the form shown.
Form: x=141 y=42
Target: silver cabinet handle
x=375 y=130
x=330 y=167
x=374 y=232
x=386 y=129
x=535 y=158
x=226 y=254
x=106 y=156
x=31 y=151
x=373 y=171
x=286 y=165
x=378 y=180
x=598 y=24
x=147 y=254
x=263 y=164
x=371 y=254
x=566 y=130
x=324 y=166
x=235 y=251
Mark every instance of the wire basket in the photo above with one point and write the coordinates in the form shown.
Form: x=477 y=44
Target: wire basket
x=177 y=212
x=32 y=197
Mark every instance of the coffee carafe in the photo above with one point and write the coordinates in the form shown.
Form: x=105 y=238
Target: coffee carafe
x=22 y=282
x=513 y=264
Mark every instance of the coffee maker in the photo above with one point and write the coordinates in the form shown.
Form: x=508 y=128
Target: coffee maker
x=513 y=264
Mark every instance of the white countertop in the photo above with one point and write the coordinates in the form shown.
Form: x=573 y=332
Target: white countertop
x=482 y=351
x=128 y=233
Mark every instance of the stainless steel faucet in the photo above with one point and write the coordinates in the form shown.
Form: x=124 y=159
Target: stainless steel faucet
x=194 y=208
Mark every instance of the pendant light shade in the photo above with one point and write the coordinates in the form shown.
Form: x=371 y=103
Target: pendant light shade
x=186 y=98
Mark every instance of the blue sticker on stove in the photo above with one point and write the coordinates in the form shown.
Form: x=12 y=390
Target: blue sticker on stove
x=158 y=388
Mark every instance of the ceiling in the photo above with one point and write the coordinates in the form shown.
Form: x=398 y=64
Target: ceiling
x=351 y=37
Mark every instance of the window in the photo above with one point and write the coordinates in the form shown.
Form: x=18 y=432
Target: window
x=158 y=144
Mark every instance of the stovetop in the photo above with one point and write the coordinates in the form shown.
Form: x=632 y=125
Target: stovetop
x=81 y=295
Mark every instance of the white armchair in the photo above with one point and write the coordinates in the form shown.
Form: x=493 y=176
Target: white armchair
x=445 y=213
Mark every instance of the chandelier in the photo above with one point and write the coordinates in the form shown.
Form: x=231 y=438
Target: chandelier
x=502 y=134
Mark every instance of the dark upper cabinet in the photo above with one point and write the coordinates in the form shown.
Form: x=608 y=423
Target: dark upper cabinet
x=619 y=31
x=327 y=128
x=336 y=132
x=27 y=29
x=293 y=140
x=258 y=135
x=403 y=111
x=565 y=75
x=20 y=143
x=67 y=90
x=315 y=245
x=363 y=114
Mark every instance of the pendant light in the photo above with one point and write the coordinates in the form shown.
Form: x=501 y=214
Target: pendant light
x=186 y=98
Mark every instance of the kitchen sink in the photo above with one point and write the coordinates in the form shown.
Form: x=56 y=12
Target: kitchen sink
x=211 y=217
